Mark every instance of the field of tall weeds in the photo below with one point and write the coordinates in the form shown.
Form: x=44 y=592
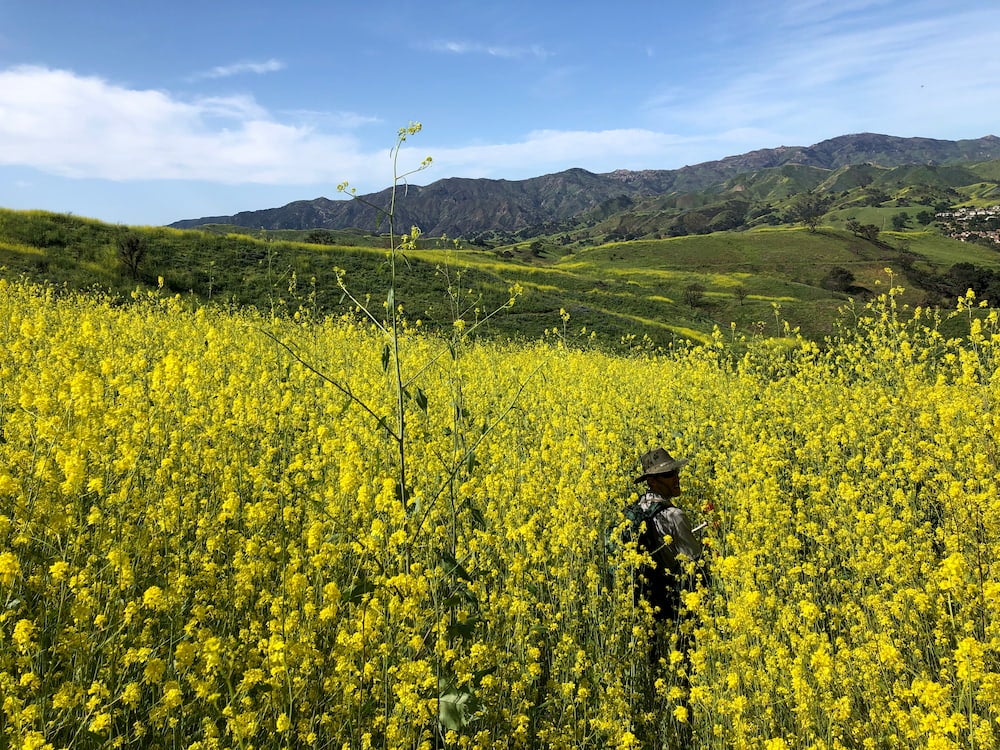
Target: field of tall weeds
x=220 y=529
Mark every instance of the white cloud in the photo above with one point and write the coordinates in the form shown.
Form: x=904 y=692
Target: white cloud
x=492 y=50
x=225 y=71
x=76 y=126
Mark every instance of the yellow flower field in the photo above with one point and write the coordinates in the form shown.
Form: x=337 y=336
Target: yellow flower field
x=204 y=543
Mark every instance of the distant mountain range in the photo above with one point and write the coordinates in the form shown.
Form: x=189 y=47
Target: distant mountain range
x=462 y=207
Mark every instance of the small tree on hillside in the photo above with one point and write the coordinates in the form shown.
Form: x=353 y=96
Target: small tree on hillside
x=808 y=209
x=900 y=221
x=838 y=279
x=875 y=196
x=694 y=294
x=321 y=237
x=870 y=232
x=131 y=251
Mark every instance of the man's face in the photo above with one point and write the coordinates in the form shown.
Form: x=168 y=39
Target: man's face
x=667 y=485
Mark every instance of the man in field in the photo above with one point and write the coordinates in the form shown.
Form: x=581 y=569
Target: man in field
x=662 y=531
x=665 y=534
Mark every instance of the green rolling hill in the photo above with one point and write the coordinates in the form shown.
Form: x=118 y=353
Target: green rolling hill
x=668 y=289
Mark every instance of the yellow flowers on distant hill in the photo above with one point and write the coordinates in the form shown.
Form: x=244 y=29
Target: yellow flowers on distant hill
x=204 y=544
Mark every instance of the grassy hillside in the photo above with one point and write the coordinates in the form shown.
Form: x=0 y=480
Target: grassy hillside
x=988 y=170
x=665 y=289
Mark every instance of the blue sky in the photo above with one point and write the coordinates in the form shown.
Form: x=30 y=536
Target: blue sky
x=146 y=113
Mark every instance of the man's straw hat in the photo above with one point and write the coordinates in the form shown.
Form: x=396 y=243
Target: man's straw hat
x=659 y=462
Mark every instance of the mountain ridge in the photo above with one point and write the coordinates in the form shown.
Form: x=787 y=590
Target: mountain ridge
x=460 y=206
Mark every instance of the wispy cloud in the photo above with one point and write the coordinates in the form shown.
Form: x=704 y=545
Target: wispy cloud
x=240 y=68
x=492 y=50
x=339 y=120
x=238 y=107
x=907 y=74
x=543 y=151
x=796 y=13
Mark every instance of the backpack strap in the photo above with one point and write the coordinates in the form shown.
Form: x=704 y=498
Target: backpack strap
x=637 y=513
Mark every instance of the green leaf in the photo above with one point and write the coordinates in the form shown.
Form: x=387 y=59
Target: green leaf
x=478 y=519
x=456 y=566
x=347 y=405
x=462 y=597
x=421 y=399
x=358 y=591
x=464 y=629
x=385 y=358
x=456 y=708
x=402 y=494
x=383 y=424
